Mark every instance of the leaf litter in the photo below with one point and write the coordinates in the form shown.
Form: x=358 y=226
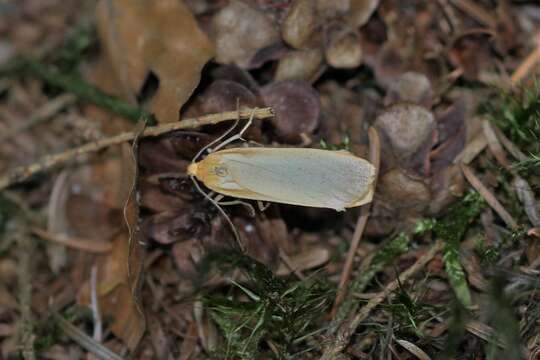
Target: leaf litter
x=447 y=262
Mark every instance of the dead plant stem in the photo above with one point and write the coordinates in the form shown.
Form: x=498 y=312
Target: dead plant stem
x=23 y=173
x=374 y=158
x=25 y=252
x=347 y=329
x=488 y=196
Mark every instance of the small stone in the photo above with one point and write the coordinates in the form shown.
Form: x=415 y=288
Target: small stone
x=297 y=108
x=299 y=65
x=299 y=25
x=411 y=87
x=344 y=52
x=405 y=190
x=407 y=127
x=240 y=31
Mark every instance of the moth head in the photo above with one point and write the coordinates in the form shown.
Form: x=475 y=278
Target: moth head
x=192 y=169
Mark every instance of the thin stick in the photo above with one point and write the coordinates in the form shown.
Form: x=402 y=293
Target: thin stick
x=472 y=149
x=25 y=251
x=476 y=11
x=75 y=84
x=526 y=67
x=288 y=263
x=348 y=329
x=374 y=158
x=88 y=245
x=494 y=144
x=42 y=114
x=98 y=328
x=509 y=145
x=85 y=341
x=488 y=196
x=23 y=173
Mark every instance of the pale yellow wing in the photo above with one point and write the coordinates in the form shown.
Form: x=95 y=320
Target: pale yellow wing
x=308 y=177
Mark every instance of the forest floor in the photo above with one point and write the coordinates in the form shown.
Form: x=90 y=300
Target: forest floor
x=109 y=250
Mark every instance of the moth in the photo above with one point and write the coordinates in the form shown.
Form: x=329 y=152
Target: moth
x=296 y=176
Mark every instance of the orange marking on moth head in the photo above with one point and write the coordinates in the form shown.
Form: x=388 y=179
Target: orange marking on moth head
x=209 y=170
x=192 y=169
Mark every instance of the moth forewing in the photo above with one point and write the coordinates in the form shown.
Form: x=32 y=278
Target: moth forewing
x=297 y=176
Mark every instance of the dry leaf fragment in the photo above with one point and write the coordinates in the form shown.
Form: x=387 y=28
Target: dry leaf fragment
x=413 y=349
x=115 y=294
x=154 y=37
x=447 y=185
x=308 y=259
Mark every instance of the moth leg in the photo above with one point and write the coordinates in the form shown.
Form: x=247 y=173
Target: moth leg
x=249 y=207
x=254 y=143
x=262 y=206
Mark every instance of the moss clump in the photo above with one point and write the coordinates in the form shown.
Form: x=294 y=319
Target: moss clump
x=269 y=308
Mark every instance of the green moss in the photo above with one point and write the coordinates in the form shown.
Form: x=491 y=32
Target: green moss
x=269 y=308
x=517 y=114
x=79 y=40
x=383 y=257
x=456 y=330
x=505 y=343
x=75 y=84
x=344 y=145
x=488 y=254
x=451 y=229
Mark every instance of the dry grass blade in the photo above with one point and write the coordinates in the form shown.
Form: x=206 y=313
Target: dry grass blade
x=23 y=173
x=489 y=197
x=25 y=251
x=413 y=349
x=476 y=11
x=526 y=66
x=494 y=145
x=43 y=113
x=483 y=331
x=472 y=150
x=347 y=330
x=84 y=340
x=375 y=159
x=526 y=196
x=509 y=145
x=75 y=243
x=307 y=259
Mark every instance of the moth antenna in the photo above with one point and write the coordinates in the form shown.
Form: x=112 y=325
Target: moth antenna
x=215 y=141
x=223 y=213
x=239 y=135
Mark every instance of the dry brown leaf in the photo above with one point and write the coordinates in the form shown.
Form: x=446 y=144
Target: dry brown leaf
x=115 y=285
x=158 y=37
x=140 y=39
x=308 y=259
